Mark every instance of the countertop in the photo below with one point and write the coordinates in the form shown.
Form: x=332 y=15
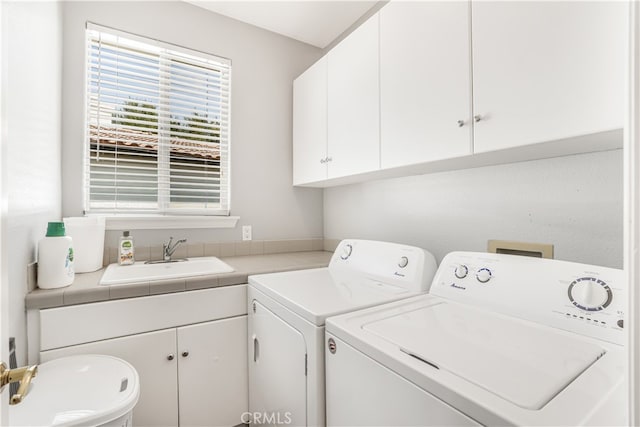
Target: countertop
x=85 y=288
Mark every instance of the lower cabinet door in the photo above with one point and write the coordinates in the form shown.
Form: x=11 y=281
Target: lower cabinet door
x=153 y=356
x=212 y=372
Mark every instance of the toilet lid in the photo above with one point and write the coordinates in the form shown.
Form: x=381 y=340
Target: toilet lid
x=78 y=390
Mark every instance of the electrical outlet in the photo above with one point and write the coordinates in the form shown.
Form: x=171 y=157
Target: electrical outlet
x=246 y=232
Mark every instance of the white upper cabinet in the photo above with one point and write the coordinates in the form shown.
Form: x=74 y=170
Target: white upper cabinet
x=354 y=103
x=431 y=86
x=544 y=71
x=310 y=124
x=425 y=82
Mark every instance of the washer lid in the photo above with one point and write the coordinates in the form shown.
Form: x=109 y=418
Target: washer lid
x=523 y=363
x=319 y=293
x=78 y=391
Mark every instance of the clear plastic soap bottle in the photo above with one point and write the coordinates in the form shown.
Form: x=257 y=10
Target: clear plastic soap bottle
x=126 y=249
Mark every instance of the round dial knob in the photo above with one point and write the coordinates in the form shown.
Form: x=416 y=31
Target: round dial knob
x=461 y=271
x=346 y=251
x=590 y=294
x=483 y=275
x=402 y=263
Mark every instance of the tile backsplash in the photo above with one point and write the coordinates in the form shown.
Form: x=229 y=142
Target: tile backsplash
x=225 y=249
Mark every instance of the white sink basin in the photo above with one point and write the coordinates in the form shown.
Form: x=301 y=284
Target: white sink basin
x=140 y=272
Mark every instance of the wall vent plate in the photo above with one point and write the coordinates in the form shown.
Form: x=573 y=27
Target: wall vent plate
x=537 y=250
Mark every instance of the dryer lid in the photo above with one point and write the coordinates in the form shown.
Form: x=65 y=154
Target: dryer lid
x=522 y=362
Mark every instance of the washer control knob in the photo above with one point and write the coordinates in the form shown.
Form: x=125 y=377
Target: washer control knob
x=461 y=271
x=483 y=275
x=590 y=294
x=346 y=251
x=403 y=262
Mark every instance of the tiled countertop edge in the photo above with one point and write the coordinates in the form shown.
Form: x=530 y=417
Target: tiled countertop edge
x=85 y=288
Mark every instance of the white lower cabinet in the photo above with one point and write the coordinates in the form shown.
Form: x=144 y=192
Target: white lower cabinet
x=148 y=353
x=212 y=376
x=193 y=375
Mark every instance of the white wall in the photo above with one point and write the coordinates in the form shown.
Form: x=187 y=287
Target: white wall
x=31 y=57
x=264 y=66
x=4 y=265
x=573 y=202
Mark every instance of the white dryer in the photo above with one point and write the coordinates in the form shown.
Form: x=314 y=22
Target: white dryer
x=500 y=340
x=287 y=313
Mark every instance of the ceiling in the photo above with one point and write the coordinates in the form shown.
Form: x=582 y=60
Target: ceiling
x=317 y=23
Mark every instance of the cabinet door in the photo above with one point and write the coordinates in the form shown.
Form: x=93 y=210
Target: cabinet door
x=310 y=124
x=546 y=70
x=353 y=144
x=212 y=373
x=425 y=82
x=277 y=372
x=149 y=354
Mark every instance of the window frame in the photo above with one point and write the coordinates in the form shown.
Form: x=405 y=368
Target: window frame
x=163 y=168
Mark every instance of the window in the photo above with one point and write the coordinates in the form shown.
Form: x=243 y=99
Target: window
x=157 y=127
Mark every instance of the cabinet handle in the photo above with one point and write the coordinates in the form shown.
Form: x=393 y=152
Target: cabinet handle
x=329 y=159
x=256 y=349
x=185 y=354
x=477 y=118
x=170 y=357
x=460 y=123
x=323 y=161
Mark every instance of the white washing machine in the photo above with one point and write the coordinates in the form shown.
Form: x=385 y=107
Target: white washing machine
x=499 y=340
x=287 y=313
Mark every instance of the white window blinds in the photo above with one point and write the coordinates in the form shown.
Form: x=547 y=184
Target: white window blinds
x=157 y=128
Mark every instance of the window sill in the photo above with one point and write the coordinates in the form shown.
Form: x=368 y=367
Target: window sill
x=149 y=222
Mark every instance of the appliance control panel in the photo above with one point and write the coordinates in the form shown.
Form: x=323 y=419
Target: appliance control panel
x=581 y=298
x=406 y=267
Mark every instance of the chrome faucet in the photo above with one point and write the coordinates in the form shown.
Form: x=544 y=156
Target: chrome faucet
x=168 y=249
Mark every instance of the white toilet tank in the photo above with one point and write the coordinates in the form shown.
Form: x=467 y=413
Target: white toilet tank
x=86 y=390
